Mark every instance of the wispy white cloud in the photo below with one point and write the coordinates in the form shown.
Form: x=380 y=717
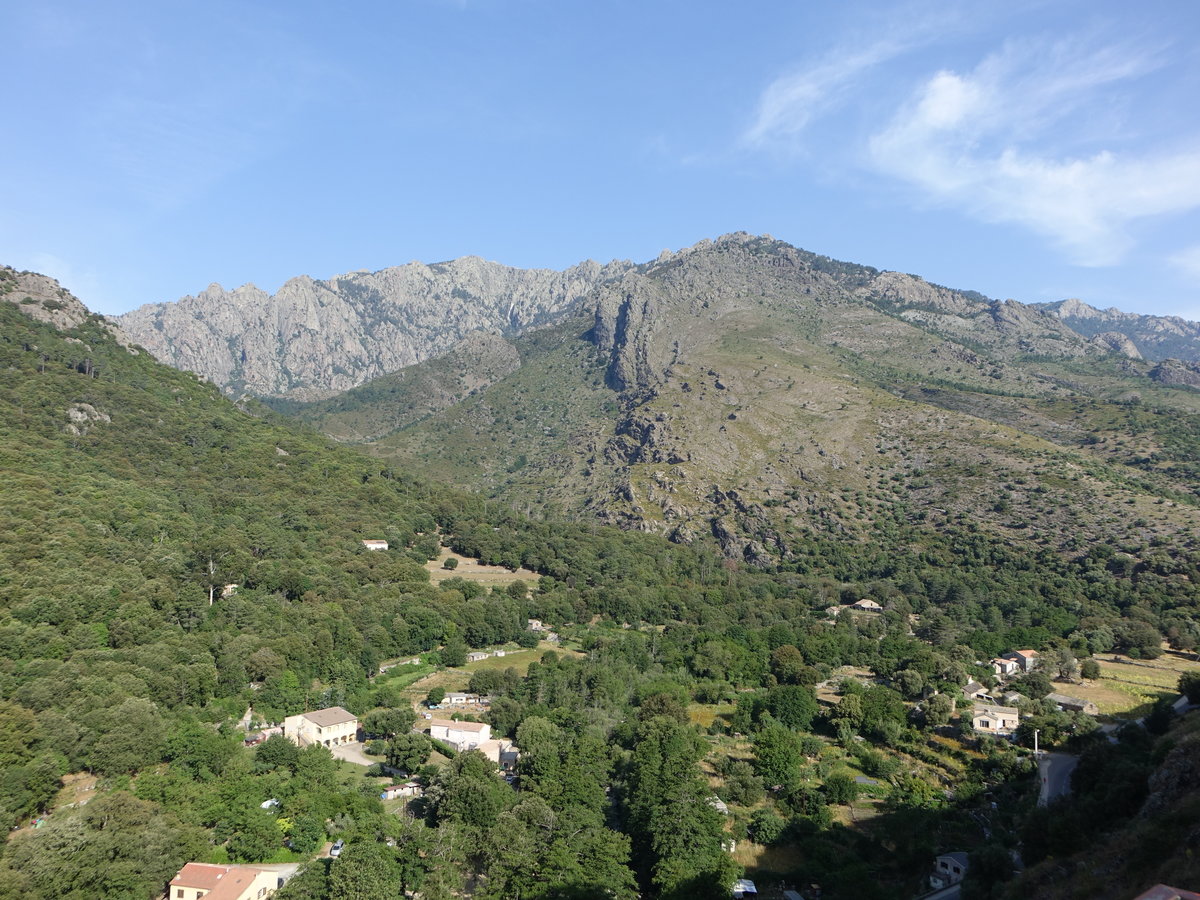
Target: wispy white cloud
x=986 y=142
x=1041 y=133
x=792 y=101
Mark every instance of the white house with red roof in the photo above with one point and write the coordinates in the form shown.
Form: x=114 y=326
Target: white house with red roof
x=202 y=881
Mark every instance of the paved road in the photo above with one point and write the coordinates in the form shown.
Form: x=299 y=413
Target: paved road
x=1055 y=770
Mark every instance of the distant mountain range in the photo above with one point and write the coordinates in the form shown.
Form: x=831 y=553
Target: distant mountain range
x=314 y=338
x=1153 y=337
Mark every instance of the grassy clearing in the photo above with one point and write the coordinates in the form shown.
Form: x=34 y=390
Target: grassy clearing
x=457 y=679
x=780 y=858
x=473 y=570
x=1128 y=687
x=704 y=715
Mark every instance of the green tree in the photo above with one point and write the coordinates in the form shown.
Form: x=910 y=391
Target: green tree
x=840 y=788
x=938 y=710
x=408 y=752
x=388 y=723
x=366 y=870
x=792 y=705
x=787 y=665
x=1189 y=686
x=677 y=833
x=469 y=791
x=256 y=836
x=276 y=752
x=776 y=755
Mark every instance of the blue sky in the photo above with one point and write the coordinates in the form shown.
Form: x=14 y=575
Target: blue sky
x=1028 y=150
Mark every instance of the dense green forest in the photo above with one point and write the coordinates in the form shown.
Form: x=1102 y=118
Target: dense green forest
x=134 y=494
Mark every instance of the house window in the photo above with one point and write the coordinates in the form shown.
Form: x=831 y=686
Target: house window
x=178 y=892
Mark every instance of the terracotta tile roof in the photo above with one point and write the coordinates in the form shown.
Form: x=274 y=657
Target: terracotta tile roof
x=199 y=875
x=334 y=715
x=220 y=882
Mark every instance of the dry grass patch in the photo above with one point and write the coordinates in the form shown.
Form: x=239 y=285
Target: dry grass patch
x=780 y=859
x=1127 y=685
x=473 y=570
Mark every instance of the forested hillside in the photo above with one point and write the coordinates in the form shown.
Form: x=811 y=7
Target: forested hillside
x=168 y=559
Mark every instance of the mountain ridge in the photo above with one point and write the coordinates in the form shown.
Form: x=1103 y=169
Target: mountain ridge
x=313 y=338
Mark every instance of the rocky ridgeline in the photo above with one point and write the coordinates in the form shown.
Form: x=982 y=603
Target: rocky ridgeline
x=41 y=297
x=1153 y=338
x=315 y=338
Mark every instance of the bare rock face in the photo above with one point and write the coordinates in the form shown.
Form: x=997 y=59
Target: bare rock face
x=42 y=298
x=315 y=338
x=1154 y=337
x=1176 y=373
x=1116 y=342
x=82 y=416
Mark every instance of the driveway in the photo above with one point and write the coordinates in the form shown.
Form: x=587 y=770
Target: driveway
x=352 y=753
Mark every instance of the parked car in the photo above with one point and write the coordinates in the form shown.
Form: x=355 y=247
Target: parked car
x=336 y=850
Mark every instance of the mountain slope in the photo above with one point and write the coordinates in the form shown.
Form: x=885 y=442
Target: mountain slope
x=313 y=338
x=751 y=392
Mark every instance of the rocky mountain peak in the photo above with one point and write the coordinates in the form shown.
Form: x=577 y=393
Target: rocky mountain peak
x=41 y=297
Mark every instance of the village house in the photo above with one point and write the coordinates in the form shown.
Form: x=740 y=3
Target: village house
x=503 y=753
x=949 y=868
x=1026 y=660
x=375 y=545
x=999 y=720
x=462 y=736
x=1073 y=704
x=477 y=655
x=1005 y=667
x=499 y=653
x=196 y=880
x=976 y=691
x=459 y=698
x=867 y=605
x=327 y=727
x=535 y=624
